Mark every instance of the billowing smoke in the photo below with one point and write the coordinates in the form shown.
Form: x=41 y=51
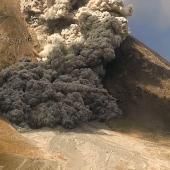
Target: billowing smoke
x=65 y=88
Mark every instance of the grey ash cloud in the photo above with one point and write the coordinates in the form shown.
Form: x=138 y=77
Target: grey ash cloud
x=66 y=89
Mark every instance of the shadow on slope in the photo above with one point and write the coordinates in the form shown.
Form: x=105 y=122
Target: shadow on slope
x=140 y=79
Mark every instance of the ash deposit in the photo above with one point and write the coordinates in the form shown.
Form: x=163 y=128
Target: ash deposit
x=78 y=39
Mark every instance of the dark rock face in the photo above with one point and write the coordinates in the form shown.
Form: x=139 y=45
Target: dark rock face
x=37 y=95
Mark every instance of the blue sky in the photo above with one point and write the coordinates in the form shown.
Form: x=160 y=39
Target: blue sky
x=150 y=23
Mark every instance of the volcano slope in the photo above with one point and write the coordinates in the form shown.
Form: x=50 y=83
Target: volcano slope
x=14 y=35
x=139 y=78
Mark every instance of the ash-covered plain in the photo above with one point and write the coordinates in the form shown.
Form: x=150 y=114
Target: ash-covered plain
x=65 y=86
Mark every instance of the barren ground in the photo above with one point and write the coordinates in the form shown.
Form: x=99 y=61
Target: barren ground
x=91 y=146
x=14 y=35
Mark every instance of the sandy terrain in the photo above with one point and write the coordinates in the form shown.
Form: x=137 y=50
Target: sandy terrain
x=92 y=146
x=15 y=39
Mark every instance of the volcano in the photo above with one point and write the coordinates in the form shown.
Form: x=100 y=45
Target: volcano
x=139 y=80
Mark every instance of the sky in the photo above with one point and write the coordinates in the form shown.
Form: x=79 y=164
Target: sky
x=150 y=23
